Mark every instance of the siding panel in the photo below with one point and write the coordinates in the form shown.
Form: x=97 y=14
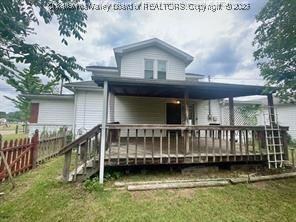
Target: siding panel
x=56 y=112
x=132 y=64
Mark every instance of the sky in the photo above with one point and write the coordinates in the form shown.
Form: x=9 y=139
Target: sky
x=220 y=42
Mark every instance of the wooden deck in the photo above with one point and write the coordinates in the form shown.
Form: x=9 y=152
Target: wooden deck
x=145 y=144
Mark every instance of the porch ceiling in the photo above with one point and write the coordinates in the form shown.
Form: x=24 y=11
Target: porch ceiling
x=176 y=89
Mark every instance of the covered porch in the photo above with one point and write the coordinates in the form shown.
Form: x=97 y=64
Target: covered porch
x=117 y=144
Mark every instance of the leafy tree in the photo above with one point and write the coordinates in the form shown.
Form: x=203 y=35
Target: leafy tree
x=14 y=116
x=27 y=82
x=276 y=46
x=2 y=114
x=16 y=20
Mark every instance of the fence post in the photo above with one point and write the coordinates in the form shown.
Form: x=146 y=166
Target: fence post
x=35 y=143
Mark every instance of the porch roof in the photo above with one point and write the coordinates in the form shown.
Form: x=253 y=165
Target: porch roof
x=176 y=88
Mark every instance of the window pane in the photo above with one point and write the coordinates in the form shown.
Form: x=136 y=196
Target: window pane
x=162 y=66
x=148 y=64
x=148 y=74
x=149 y=68
x=161 y=69
x=161 y=75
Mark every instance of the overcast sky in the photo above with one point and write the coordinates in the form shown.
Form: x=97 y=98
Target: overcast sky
x=220 y=42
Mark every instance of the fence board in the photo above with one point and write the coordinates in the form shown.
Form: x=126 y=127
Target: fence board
x=22 y=155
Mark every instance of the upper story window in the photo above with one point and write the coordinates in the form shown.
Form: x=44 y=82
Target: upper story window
x=161 y=69
x=149 y=68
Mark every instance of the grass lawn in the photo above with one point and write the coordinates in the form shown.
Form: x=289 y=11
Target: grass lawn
x=40 y=197
x=8 y=133
x=13 y=136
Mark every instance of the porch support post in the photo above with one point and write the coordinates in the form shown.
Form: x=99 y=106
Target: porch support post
x=103 y=132
x=271 y=108
x=186 y=133
x=231 y=123
x=186 y=108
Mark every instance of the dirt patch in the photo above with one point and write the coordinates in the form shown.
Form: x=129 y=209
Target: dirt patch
x=259 y=185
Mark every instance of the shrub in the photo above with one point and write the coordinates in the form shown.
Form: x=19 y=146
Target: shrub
x=93 y=185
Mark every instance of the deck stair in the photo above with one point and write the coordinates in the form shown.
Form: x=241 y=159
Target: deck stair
x=273 y=139
x=84 y=171
x=85 y=152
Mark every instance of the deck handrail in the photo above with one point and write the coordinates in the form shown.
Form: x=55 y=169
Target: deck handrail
x=188 y=127
x=80 y=139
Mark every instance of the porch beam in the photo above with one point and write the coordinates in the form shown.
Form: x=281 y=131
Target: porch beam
x=103 y=132
x=231 y=111
x=231 y=123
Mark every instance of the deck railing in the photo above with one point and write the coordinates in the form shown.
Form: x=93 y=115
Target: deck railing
x=166 y=144
x=85 y=151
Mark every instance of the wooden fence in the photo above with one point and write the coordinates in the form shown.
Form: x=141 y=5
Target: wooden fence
x=21 y=155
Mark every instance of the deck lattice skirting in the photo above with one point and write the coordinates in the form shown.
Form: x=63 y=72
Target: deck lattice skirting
x=143 y=144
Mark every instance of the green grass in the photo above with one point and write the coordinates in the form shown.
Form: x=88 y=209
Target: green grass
x=40 y=197
x=13 y=136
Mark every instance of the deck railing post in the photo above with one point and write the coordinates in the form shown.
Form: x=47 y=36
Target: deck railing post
x=67 y=163
x=103 y=132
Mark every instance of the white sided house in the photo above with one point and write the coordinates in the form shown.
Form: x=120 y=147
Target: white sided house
x=152 y=59
x=149 y=110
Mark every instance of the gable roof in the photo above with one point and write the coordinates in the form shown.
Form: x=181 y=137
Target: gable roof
x=119 y=51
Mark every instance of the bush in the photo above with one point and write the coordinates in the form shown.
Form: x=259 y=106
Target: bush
x=93 y=185
x=112 y=175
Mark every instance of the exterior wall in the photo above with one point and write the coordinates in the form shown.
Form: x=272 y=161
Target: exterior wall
x=202 y=112
x=287 y=117
x=56 y=111
x=88 y=111
x=53 y=114
x=132 y=64
x=132 y=110
x=149 y=110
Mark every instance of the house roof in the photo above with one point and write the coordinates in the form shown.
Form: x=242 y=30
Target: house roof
x=49 y=96
x=176 y=89
x=119 y=51
x=102 y=67
x=88 y=85
x=195 y=75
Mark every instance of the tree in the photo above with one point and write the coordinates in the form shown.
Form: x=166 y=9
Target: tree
x=16 y=19
x=14 y=116
x=2 y=114
x=27 y=82
x=276 y=46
